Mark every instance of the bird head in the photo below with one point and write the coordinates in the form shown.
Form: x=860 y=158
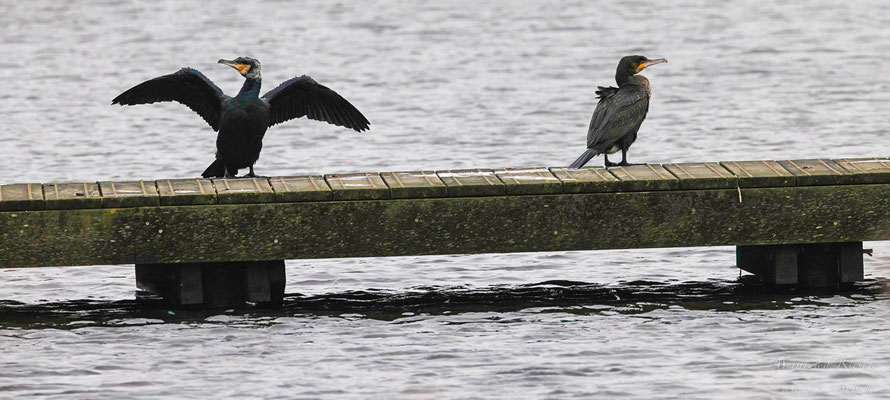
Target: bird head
x=246 y=66
x=632 y=65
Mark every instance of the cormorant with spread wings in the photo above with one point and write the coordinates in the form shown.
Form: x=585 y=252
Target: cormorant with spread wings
x=242 y=120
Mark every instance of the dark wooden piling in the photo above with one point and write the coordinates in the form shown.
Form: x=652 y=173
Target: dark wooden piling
x=775 y=264
x=813 y=265
x=223 y=284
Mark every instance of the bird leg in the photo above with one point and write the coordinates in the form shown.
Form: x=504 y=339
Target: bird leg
x=253 y=175
x=608 y=163
x=228 y=175
x=624 y=162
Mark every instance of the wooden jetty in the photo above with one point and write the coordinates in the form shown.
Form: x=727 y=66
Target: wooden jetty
x=223 y=241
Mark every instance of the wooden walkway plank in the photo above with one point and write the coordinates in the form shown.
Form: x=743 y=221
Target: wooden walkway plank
x=186 y=192
x=709 y=175
x=519 y=181
x=129 y=194
x=414 y=184
x=360 y=186
x=68 y=196
x=586 y=180
x=22 y=197
x=290 y=189
x=243 y=190
x=759 y=173
x=643 y=178
x=472 y=182
x=867 y=170
x=816 y=172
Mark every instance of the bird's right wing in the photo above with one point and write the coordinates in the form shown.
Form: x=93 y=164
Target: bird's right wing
x=303 y=96
x=187 y=86
x=616 y=115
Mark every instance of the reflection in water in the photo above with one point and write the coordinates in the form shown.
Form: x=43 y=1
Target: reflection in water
x=637 y=297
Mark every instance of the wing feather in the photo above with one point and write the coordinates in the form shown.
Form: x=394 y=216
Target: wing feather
x=303 y=97
x=187 y=86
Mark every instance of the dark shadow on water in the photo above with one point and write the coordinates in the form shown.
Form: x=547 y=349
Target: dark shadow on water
x=545 y=297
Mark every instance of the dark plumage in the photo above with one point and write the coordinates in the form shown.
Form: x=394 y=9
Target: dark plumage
x=242 y=120
x=619 y=112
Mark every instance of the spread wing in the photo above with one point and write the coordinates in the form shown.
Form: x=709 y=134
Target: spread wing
x=186 y=86
x=303 y=97
x=617 y=114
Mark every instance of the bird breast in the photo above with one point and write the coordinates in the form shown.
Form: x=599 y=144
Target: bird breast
x=642 y=81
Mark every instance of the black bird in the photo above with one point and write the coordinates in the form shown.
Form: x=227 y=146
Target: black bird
x=242 y=120
x=619 y=112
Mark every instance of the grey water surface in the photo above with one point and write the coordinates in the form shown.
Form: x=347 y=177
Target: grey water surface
x=448 y=84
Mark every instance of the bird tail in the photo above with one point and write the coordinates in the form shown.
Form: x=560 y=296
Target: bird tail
x=216 y=170
x=590 y=153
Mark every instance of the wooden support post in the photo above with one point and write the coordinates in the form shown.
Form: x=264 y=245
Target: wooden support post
x=814 y=266
x=775 y=264
x=850 y=262
x=178 y=284
x=222 y=284
x=818 y=265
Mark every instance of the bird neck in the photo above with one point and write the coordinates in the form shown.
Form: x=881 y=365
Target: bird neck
x=251 y=87
x=628 y=79
x=622 y=77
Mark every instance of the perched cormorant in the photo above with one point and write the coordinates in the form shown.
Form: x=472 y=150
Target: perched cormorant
x=619 y=112
x=242 y=120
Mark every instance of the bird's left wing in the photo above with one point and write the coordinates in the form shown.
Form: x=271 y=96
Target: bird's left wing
x=302 y=96
x=187 y=86
x=622 y=113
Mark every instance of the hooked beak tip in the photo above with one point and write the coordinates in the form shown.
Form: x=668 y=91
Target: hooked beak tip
x=649 y=63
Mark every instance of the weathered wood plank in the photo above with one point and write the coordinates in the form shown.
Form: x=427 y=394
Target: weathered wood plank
x=300 y=188
x=184 y=192
x=361 y=186
x=22 y=197
x=472 y=182
x=64 y=196
x=759 y=173
x=518 y=181
x=817 y=172
x=639 y=178
x=709 y=175
x=586 y=180
x=129 y=194
x=414 y=184
x=867 y=170
x=453 y=225
x=243 y=190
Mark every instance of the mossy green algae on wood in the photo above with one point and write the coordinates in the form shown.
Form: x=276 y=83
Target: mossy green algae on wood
x=487 y=224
